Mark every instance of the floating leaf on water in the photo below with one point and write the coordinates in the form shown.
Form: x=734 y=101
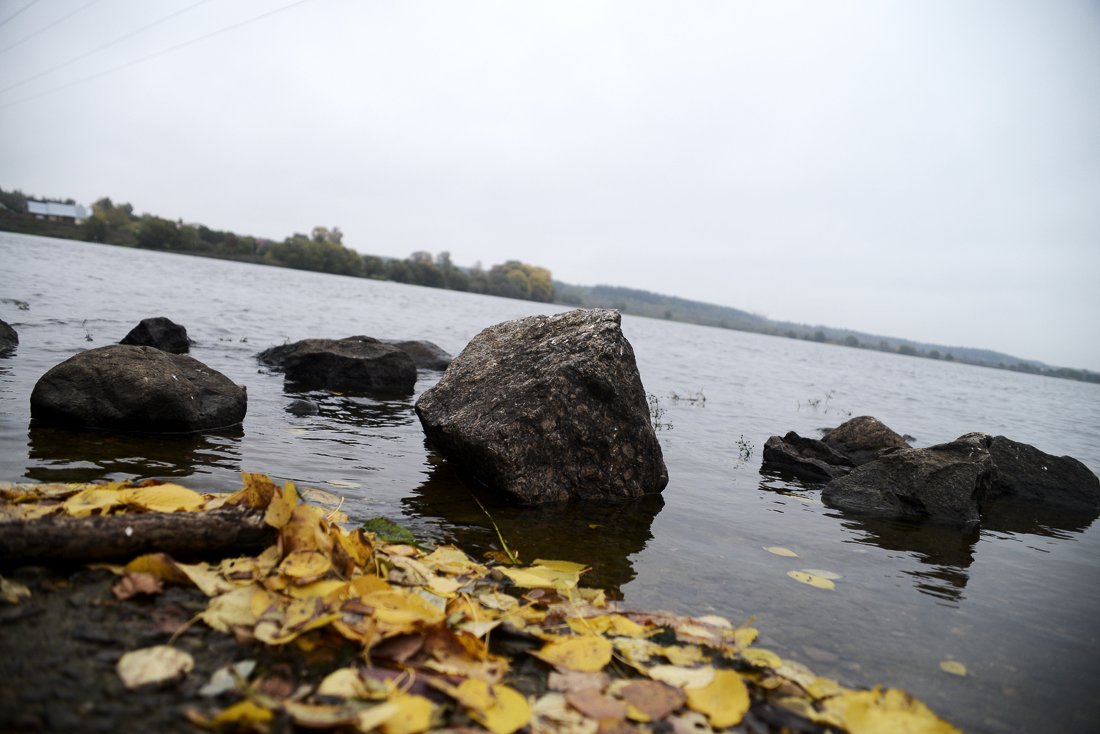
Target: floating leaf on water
x=822 y=574
x=953 y=667
x=780 y=551
x=812 y=580
x=153 y=665
x=296 y=431
x=336 y=483
x=388 y=531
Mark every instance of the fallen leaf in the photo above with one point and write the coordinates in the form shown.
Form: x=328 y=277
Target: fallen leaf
x=165 y=498
x=225 y=679
x=13 y=592
x=586 y=653
x=160 y=565
x=153 y=665
x=953 y=667
x=414 y=715
x=593 y=704
x=243 y=713
x=136 y=582
x=685 y=678
x=762 y=658
x=375 y=716
x=305 y=565
x=724 y=700
x=233 y=608
x=885 y=712
x=812 y=580
x=575 y=680
x=498 y=708
x=780 y=551
x=282 y=505
x=654 y=699
x=822 y=573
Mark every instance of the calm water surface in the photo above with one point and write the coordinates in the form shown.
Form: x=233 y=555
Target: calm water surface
x=1017 y=600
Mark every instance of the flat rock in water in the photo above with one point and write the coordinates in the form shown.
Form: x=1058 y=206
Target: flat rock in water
x=426 y=355
x=160 y=333
x=1028 y=474
x=8 y=338
x=944 y=483
x=353 y=363
x=807 y=458
x=863 y=439
x=127 y=388
x=548 y=408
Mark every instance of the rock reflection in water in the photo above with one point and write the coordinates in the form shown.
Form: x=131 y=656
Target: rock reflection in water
x=1006 y=515
x=601 y=535
x=949 y=551
x=356 y=410
x=75 y=455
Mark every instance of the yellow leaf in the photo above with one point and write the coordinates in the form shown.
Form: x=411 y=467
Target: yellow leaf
x=305 y=565
x=498 y=708
x=444 y=586
x=233 y=608
x=812 y=580
x=375 y=716
x=160 y=565
x=685 y=655
x=153 y=665
x=686 y=678
x=885 y=712
x=724 y=700
x=344 y=682
x=822 y=573
x=94 y=500
x=282 y=505
x=13 y=592
x=586 y=653
x=780 y=551
x=166 y=498
x=566 y=566
x=414 y=715
x=542 y=577
x=206 y=577
x=242 y=712
x=955 y=668
x=762 y=658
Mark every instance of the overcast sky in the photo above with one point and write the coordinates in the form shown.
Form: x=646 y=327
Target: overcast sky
x=926 y=170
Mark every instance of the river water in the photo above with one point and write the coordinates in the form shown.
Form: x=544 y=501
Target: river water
x=1017 y=601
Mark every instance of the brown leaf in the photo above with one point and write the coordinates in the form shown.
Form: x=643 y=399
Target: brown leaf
x=169 y=618
x=653 y=698
x=595 y=705
x=574 y=680
x=136 y=582
x=278 y=688
x=399 y=648
x=615 y=726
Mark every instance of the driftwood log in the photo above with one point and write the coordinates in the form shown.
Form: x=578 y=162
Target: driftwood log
x=118 y=537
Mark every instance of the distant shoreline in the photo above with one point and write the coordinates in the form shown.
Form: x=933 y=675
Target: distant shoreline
x=647 y=305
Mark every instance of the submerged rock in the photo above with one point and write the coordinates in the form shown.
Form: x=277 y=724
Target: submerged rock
x=8 y=338
x=161 y=333
x=548 y=408
x=807 y=458
x=863 y=439
x=425 y=355
x=945 y=483
x=1026 y=473
x=353 y=363
x=302 y=408
x=128 y=388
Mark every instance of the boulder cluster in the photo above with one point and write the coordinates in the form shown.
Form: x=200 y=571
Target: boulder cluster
x=870 y=469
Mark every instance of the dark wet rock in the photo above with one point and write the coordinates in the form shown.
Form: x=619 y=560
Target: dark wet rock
x=548 y=408
x=127 y=388
x=8 y=338
x=302 y=408
x=944 y=483
x=160 y=333
x=426 y=355
x=1026 y=473
x=863 y=439
x=807 y=458
x=353 y=363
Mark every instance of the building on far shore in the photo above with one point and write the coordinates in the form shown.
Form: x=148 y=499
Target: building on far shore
x=56 y=212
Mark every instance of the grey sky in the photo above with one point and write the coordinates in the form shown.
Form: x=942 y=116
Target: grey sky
x=927 y=170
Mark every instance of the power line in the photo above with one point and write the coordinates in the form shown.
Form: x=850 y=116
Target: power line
x=154 y=55
x=17 y=12
x=120 y=39
x=51 y=25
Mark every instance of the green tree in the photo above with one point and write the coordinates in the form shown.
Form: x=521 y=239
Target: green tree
x=851 y=341
x=934 y=354
x=95 y=229
x=819 y=336
x=155 y=233
x=907 y=350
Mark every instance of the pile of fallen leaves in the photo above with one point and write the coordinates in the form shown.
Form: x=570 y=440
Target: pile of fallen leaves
x=424 y=626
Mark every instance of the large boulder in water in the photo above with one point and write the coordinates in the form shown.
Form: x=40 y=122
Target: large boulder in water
x=161 y=333
x=425 y=355
x=8 y=338
x=1025 y=473
x=548 y=408
x=806 y=458
x=944 y=483
x=360 y=363
x=863 y=439
x=127 y=388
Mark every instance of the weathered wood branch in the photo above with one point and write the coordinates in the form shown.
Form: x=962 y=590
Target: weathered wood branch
x=118 y=537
